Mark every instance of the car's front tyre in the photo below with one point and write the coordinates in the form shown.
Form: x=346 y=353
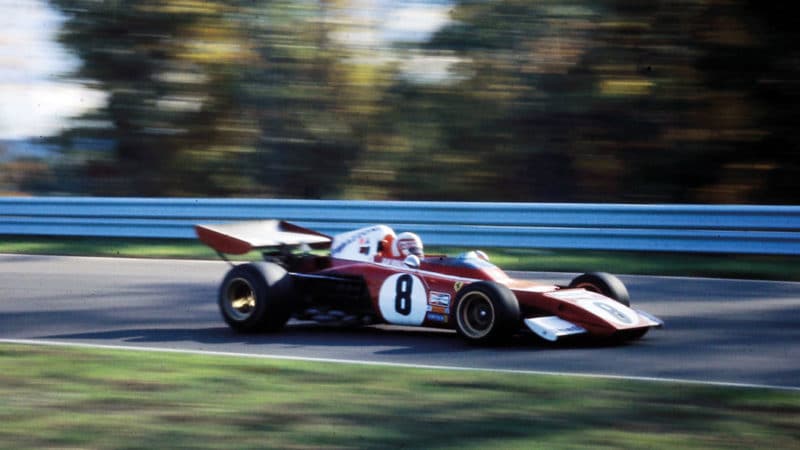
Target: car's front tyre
x=486 y=312
x=605 y=284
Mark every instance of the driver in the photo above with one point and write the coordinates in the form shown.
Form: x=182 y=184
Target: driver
x=406 y=244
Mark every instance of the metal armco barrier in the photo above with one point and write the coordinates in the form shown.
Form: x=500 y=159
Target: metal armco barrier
x=683 y=228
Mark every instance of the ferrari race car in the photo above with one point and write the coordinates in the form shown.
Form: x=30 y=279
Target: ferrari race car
x=372 y=275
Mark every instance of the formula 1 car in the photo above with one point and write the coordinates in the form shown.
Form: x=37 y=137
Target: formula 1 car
x=372 y=275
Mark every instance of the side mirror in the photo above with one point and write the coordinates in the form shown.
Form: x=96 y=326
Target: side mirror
x=412 y=261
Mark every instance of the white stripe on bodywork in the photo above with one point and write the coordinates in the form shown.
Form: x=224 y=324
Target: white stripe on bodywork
x=608 y=309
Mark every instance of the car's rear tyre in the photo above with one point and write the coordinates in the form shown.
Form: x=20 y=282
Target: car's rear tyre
x=486 y=312
x=256 y=297
x=605 y=284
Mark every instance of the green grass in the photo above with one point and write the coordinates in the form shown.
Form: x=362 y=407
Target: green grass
x=100 y=246
x=769 y=267
x=62 y=397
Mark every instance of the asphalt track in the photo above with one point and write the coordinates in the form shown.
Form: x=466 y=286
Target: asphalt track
x=718 y=331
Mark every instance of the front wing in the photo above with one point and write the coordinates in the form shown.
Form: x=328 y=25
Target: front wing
x=589 y=313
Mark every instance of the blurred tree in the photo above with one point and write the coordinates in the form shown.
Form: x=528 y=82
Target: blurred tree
x=751 y=66
x=563 y=99
x=312 y=99
x=616 y=101
x=167 y=67
x=220 y=98
x=608 y=100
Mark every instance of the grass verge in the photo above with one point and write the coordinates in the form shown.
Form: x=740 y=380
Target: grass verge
x=768 y=267
x=61 y=397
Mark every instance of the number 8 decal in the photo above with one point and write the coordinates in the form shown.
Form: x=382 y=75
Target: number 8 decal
x=403 y=299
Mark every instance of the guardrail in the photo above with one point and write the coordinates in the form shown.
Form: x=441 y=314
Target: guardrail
x=683 y=228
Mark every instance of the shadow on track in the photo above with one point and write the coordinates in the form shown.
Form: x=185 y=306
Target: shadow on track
x=382 y=339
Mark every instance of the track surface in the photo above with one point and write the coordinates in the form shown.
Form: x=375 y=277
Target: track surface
x=725 y=331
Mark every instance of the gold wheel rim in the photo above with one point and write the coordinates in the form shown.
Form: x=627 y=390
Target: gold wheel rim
x=240 y=299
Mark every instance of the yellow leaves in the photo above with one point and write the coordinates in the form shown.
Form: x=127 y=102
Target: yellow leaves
x=625 y=87
x=361 y=75
x=204 y=38
x=182 y=7
x=213 y=42
x=356 y=87
x=211 y=52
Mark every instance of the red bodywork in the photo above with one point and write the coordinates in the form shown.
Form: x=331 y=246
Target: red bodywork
x=424 y=292
x=447 y=275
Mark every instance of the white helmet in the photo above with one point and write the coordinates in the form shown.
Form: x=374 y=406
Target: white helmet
x=408 y=244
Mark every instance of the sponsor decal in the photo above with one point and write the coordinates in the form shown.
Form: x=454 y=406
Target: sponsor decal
x=439 y=298
x=358 y=237
x=363 y=246
x=438 y=309
x=434 y=317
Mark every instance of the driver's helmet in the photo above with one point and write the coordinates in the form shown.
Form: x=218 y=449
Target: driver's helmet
x=408 y=244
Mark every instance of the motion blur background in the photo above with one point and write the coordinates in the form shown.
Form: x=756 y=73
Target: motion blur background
x=510 y=100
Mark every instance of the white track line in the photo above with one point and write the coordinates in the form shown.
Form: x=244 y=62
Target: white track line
x=391 y=364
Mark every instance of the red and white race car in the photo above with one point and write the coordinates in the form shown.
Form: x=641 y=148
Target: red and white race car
x=373 y=275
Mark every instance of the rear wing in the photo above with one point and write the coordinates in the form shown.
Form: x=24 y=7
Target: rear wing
x=238 y=238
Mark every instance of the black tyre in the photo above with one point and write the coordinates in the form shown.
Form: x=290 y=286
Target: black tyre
x=256 y=297
x=603 y=283
x=486 y=312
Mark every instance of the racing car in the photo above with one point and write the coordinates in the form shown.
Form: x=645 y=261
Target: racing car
x=374 y=276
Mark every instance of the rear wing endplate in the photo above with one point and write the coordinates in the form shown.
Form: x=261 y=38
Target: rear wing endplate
x=238 y=238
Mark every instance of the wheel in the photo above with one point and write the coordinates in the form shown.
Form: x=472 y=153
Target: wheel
x=256 y=297
x=603 y=283
x=486 y=312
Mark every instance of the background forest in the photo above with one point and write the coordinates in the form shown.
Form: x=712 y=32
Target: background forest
x=509 y=100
